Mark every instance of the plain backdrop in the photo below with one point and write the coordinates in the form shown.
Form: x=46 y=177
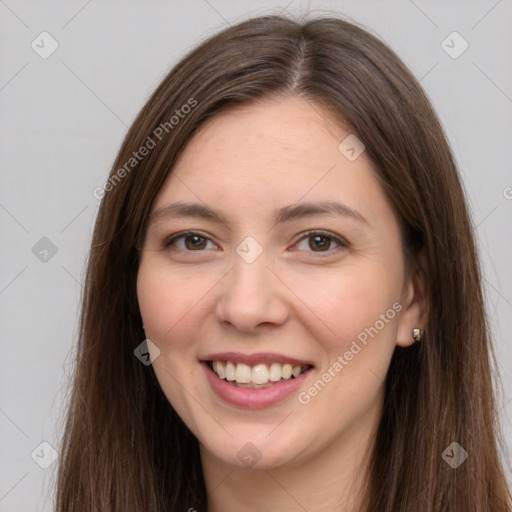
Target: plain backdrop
x=63 y=118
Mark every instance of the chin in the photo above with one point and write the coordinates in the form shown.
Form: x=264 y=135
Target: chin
x=256 y=449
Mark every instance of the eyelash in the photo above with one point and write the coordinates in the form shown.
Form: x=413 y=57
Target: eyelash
x=340 y=241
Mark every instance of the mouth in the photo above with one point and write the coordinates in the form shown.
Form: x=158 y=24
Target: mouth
x=255 y=381
x=256 y=376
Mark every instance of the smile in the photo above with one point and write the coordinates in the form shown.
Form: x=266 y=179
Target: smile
x=257 y=376
x=255 y=381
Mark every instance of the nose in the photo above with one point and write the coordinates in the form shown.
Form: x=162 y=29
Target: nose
x=251 y=295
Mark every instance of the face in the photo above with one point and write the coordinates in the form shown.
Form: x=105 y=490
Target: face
x=272 y=281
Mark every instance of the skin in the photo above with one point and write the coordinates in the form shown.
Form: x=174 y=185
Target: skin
x=295 y=299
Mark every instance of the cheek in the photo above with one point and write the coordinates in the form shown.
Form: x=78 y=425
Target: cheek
x=357 y=311
x=351 y=299
x=168 y=302
x=361 y=307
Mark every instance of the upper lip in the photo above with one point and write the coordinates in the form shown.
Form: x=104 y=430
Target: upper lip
x=254 y=359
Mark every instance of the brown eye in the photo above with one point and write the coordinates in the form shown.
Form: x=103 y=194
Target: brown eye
x=190 y=241
x=195 y=242
x=321 y=242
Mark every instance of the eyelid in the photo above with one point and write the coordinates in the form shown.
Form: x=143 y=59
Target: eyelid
x=342 y=243
x=169 y=240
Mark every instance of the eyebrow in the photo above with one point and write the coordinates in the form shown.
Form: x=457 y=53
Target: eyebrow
x=282 y=215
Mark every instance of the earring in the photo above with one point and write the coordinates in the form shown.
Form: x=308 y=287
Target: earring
x=417 y=334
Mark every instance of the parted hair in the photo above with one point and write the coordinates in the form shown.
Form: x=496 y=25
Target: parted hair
x=124 y=448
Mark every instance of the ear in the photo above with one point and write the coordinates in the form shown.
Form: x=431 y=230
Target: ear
x=415 y=308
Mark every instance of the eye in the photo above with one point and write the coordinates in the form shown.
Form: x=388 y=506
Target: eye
x=320 y=241
x=315 y=241
x=192 y=241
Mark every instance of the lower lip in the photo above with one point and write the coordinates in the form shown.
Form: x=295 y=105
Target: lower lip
x=253 y=398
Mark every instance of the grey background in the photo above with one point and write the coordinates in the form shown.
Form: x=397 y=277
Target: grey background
x=63 y=119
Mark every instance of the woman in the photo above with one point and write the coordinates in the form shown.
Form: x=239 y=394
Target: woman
x=284 y=237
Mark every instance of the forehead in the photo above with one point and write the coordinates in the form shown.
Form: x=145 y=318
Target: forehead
x=272 y=131
x=261 y=156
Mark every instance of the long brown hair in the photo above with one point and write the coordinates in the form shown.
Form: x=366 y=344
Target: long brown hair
x=125 y=448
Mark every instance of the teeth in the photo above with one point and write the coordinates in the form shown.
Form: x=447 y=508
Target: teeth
x=230 y=370
x=218 y=368
x=296 y=371
x=275 y=372
x=259 y=374
x=243 y=373
x=286 y=371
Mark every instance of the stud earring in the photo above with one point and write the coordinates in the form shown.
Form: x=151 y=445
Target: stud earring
x=417 y=334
